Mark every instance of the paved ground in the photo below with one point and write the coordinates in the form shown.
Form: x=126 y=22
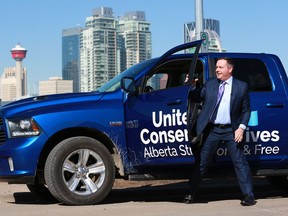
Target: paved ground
x=217 y=197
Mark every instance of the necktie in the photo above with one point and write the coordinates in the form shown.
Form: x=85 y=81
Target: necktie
x=219 y=97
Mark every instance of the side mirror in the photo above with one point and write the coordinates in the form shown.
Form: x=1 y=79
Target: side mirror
x=128 y=85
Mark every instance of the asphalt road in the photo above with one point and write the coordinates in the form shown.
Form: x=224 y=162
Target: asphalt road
x=218 y=197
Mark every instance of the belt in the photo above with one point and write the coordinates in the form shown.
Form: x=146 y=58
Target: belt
x=221 y=125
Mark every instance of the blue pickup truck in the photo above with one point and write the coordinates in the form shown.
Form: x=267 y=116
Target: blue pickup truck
x=73 y=146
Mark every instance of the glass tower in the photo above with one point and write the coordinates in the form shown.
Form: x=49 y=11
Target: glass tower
x=70 y=56
x=108 y=46
x=136 y=34
x=98 y=49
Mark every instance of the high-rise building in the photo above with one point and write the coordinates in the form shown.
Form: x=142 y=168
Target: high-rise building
x=71 y=56
x=108 y=45
x=98 y=49
x=212 y=28
x=55 y=85
x=8 y=82
x=136 y=34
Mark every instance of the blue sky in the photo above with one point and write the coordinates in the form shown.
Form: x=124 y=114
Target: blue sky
x=245 y=26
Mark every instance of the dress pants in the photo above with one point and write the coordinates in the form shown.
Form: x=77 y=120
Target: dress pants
x=205 y=156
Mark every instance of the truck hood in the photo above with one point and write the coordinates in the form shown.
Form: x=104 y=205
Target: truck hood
x=49 y=101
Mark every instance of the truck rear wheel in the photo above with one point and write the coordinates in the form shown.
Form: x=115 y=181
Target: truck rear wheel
x=79 y=171
x=280 y=182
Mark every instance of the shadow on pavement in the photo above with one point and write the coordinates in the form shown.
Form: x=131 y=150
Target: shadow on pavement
x=30 y=198
x=210 y=190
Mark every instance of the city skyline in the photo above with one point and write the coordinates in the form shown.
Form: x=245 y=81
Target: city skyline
x=245 y=27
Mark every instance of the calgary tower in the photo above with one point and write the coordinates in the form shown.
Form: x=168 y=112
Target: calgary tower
x=18 y=53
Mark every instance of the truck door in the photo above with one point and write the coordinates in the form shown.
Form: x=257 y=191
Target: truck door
x=156 y=125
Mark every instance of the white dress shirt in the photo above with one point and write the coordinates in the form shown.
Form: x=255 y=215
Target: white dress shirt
x=223 y=114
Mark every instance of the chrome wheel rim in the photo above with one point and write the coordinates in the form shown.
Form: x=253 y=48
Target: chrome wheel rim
x=83 y=172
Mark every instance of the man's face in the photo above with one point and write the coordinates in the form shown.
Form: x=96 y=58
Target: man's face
x=223 y=70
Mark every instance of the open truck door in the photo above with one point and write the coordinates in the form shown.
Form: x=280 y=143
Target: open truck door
x=156 y=117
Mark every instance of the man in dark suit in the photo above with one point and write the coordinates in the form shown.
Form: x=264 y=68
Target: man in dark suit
x=224 y=117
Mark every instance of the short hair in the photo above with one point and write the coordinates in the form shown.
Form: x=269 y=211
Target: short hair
x=229 y=61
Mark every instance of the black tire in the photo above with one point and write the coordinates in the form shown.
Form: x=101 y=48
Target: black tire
x=41 y=192
x=79 y=171
x=280 y=182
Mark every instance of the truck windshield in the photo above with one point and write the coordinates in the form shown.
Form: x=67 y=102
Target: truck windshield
x=132 y=72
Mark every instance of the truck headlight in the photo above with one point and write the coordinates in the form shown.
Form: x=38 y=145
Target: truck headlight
x=23 y=127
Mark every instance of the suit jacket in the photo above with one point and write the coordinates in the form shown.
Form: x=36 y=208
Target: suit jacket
x=239 y=103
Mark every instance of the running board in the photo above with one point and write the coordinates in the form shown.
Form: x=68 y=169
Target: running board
x=272 y=172
x=141 y=177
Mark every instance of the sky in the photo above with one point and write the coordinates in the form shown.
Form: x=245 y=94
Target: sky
x=257 y=26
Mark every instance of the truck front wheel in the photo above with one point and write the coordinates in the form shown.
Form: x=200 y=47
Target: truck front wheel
x=79 y=171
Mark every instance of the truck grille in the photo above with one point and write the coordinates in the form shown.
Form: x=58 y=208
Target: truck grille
x=2 y=131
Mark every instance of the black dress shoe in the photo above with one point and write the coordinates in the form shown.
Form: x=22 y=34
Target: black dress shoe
x=188 y=199
x=248 y=201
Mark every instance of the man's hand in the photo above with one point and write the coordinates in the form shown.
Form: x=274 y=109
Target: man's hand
x=239 y=135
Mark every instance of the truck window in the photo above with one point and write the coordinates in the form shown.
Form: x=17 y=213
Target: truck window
x=157 y=81
x=253 y=72
x=172 y=74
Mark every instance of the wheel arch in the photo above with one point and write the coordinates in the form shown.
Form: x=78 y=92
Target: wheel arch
x=74 y=132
